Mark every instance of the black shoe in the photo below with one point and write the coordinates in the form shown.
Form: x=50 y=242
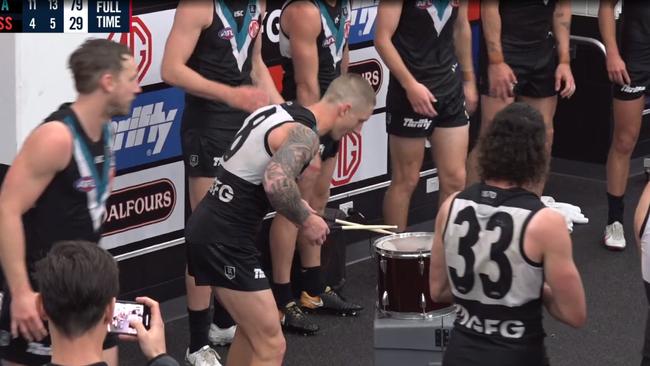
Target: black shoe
x=295 y=320
x=330 y=300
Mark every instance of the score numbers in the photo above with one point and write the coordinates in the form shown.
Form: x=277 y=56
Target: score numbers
x=65 y=16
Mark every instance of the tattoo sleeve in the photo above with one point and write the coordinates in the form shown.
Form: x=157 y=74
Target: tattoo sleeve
x=283 y=169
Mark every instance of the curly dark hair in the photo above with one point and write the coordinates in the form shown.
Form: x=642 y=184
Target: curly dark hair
x=514 y=146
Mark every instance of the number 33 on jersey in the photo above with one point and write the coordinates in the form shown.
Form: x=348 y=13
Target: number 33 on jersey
x=491 y=277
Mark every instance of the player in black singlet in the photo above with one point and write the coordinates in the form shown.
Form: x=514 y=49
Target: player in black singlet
x=56 y=189
x=628 y=67
x=214 y=53
x=427 y=47
x=500 y=255
x=524 y=56
x=270 y=151
x=314 y=47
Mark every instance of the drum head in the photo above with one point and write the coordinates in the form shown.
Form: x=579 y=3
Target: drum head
x=405 y=243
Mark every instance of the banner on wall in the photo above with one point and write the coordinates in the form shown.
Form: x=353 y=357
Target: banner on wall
x=362 y=156
x=152 y=132
x=362 y=21
x=367 y=63
x=145 y=204
x=147 y=40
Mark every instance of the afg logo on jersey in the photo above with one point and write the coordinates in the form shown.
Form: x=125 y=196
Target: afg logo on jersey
x=348 y=159
x=371 y=70
x=253 y=29
x=226 y=34
x=140 y=205
x=85 y=184
x=140 y=41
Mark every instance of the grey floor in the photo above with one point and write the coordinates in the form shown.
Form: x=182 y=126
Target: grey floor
x=616 y=301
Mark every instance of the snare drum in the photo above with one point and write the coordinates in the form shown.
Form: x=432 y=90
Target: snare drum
x=403 y=276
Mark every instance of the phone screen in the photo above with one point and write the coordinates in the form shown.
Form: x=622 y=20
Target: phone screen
x=124 y=313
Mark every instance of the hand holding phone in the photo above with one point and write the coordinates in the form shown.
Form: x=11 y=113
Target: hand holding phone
x=151 y=339
x=125 y=313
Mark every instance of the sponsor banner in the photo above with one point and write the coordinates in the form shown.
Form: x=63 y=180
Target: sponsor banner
x=363 y=16
x=145 y=204
x=363 y=156
x=367 y=63
x=147 y=40
x=152 y=132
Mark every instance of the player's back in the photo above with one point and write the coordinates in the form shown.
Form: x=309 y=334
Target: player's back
x=496 y=287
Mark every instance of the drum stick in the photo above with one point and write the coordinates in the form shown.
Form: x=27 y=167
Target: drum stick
x=351 y=224
x=367 y=227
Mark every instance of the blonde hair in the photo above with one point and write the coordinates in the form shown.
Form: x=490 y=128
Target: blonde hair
x=353 y=89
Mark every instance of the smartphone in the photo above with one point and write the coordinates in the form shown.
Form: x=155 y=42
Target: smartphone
x=124 y=312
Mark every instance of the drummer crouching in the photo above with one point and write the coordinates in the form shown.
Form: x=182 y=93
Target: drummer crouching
x=499 y=254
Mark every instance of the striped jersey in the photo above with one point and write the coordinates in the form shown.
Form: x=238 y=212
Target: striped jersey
x=236 y=203
x=424 y=40
x=73 y=205
x=223 y=53
x=496 y=286
x=335 y=29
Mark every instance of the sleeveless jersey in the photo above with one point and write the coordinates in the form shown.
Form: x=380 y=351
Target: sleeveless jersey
x=236 y=203
x=496 y=287
x=526 y=23
x=424 y=40
x=335 y=28
x=635 y=29
x=223 y=53
x=72 y=206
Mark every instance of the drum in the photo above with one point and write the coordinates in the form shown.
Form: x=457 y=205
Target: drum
x=403 y=277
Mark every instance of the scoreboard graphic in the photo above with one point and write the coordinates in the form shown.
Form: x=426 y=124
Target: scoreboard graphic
x=65 y=16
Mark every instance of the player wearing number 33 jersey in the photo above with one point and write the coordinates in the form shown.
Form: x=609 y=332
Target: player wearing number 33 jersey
x=501 y=255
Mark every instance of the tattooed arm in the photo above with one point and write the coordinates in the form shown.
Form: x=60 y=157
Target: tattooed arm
x=280 y=176
x=294 y=152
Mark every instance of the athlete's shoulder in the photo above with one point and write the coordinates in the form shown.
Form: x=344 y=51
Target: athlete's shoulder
x=306 y=10
x=545 y=225
x=300 y=114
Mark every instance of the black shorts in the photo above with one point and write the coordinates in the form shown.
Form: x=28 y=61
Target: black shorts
x=403 y=121
x=18 y=350
x=234 y=266
x=638 y=67
x=203 y=149
x=534 y=69
x=328 y=147
x=465 y=348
